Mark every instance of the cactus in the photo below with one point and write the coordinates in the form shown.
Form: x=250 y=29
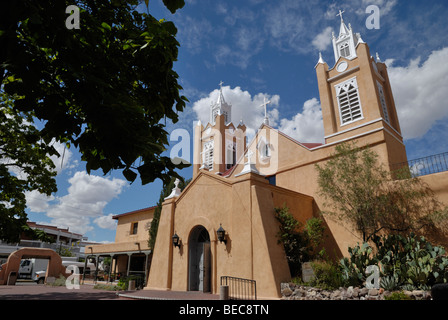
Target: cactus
x=404 y=261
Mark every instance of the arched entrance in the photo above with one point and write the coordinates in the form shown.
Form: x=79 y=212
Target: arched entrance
x=54 y=269
x=199 y=262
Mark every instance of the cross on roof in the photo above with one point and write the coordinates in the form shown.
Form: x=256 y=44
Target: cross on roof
x=340 y=14
x=220 y=84
x=264 y=105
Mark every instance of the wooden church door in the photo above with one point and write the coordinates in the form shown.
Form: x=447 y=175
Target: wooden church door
x=199 y=261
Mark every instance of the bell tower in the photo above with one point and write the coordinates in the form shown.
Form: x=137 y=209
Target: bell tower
x=219 y=145
x=355 y=94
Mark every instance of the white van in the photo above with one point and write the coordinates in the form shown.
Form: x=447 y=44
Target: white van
x=39 y=276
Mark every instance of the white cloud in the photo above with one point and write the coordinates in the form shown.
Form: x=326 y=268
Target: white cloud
x=385 y=6
x=106 y=222
x=192 y=33
x=87 y=197
x=323 y=40
x=305 y=126
x=38 y=202
x=292 y=25
x=420 y=93
x=248 y=42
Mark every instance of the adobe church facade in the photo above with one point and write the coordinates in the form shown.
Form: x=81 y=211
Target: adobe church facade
x=236 y=185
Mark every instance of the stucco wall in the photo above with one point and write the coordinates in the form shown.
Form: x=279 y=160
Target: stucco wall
x=244 y=207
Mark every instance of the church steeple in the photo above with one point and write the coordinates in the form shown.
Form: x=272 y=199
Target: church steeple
x=345 y=44
x=219 y=144
x=220 y=107
x=355 y=93
x=343 y=30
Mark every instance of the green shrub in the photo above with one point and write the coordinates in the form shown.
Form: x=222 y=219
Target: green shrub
x=397 y=296
x=300 y=242
x=123 y=283
x=108 y=287
x=327 y=275
x=59 y=282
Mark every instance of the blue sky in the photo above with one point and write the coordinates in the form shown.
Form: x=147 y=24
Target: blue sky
x=259 y=49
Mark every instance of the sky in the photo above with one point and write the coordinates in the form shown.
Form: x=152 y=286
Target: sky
x=268 y=49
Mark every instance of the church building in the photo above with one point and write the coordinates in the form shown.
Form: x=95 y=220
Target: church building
x=237 y=184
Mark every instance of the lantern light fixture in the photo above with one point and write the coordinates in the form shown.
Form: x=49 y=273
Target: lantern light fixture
x=176 y=240
x=221 y=233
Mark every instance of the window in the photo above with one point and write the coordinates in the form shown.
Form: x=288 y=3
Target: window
x=230 y=154
x=208 y=155
x=134 y=227
x=272 y=180
x=226 y=117
x=344 y=50
x=348 y=100
x=214 y=114
x=383 y=102
x=266 y=151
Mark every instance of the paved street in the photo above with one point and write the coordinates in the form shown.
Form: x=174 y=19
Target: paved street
x=28 y=290
x=32 y=291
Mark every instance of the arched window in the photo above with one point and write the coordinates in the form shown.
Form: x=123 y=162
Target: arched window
x=349 y=102
x=230 y=154
x=344 y=50
x=207 y=155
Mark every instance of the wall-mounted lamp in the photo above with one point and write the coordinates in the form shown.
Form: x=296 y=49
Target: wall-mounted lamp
x=176 y=240
x=221 y=233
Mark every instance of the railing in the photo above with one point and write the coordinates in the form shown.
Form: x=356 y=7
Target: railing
x=239 y=288
x=424 y=166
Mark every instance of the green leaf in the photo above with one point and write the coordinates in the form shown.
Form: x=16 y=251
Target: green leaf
x=129 y=175
x=106 y=26
x=173 y=5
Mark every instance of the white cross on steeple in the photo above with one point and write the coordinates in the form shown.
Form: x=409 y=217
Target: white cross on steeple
x=266 y=120
x=340 y=14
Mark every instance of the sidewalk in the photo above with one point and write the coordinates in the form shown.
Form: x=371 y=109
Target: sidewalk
x=168 y=295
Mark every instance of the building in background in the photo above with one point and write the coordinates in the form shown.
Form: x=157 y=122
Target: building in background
x=129 y=254
x=65 y=242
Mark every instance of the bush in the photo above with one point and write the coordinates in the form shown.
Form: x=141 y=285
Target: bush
x=397 y=296
x=59 y=282
x=299 y=241
x=327 y=275
x=108 y=287
x=123 y=283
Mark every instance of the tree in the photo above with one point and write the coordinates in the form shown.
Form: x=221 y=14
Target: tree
x=299 y=241
x=360 y=192
x=166 y=191
x=24 y=166
x=106 y=88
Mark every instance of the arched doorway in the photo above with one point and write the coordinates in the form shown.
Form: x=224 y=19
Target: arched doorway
x=11 y=267
x=199 y=262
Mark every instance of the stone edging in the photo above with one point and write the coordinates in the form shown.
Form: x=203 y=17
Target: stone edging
x=291 y=291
